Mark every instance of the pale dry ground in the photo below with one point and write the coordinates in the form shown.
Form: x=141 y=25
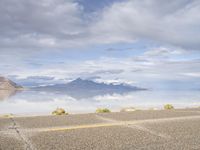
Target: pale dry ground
x=160 y=129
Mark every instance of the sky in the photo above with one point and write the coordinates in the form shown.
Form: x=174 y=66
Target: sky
x=148 y=43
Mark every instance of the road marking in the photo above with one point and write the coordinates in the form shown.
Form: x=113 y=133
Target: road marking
x=83 y=127
x=119 y=123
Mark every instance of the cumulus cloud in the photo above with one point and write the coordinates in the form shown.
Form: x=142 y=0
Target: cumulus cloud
x=52 y=24
x=161 y=54
x=30 y=31
x=39 y=24
x=170 y=22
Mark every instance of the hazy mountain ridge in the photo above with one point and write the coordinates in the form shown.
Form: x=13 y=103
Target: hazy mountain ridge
x=6 y=84
x=81 y=89
x=80 y=84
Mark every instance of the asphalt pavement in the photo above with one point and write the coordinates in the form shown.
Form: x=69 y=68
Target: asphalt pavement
x=139 y=130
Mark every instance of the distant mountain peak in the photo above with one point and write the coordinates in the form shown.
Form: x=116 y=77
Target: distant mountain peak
x=89 y=85
x=80 y=88
x=79 y=79
x=6 y=84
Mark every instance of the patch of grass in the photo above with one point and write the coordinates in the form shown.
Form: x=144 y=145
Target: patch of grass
x=7 y=116
x=103 y=110
x=168 y=107
x=59 y=111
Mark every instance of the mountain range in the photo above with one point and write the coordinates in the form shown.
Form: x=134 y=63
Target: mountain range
x=6 y=84
x=80 y=88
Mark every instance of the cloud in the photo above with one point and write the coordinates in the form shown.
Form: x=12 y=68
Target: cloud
x=36 y=35
x=146 y=72
x=161 y=54
x=112 y=71
x=40 y=78
x=117 y=49
x=35 y=25
x=192 y=74
x=169 y=22
x=51 y=24
x=93 y=77
x=92 y=6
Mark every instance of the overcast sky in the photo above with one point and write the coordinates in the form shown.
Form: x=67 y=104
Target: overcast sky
x=151 y=43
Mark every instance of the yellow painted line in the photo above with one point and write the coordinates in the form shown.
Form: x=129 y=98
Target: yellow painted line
x=89 y=126
x=120 y=123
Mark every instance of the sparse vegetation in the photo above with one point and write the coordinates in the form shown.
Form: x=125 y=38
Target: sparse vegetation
x=168 y=107
x=103 y=110
x=8 y=115
x=59 y=111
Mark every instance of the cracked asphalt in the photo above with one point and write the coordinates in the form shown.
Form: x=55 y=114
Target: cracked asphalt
x=142 y=130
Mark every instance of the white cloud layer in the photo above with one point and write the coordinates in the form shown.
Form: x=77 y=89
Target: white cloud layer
x=29 y=27
x=46 y=24
x=173 y=22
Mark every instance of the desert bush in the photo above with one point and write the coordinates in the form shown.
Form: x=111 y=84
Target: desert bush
x=168 y=106
x=103 y=110
x=59 y=111
x=8 y=116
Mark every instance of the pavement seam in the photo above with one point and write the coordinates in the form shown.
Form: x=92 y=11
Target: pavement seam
x=135 y=126
x=28 y=145
x=142 y=128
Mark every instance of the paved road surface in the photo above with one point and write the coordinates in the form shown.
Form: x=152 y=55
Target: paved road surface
x=142 y=130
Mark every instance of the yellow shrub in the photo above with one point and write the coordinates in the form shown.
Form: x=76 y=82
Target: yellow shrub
x=168 y=107
x=59 y=111
x=103 y=110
